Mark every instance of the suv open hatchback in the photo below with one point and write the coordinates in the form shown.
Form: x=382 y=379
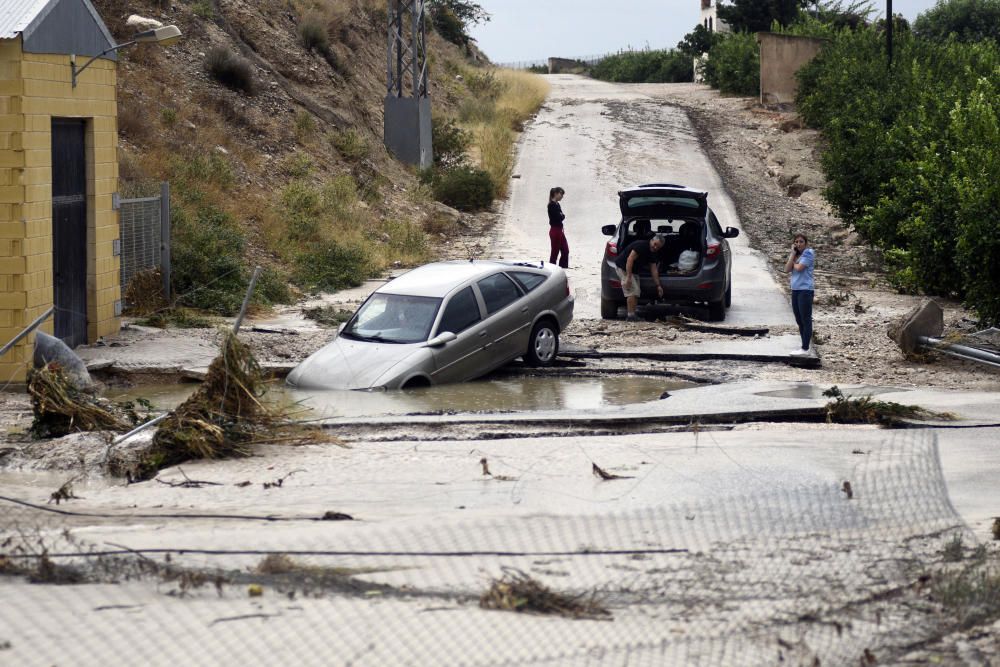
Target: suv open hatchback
x=695 y=262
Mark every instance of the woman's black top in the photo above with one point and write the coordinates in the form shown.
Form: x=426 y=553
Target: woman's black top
x=556 y=215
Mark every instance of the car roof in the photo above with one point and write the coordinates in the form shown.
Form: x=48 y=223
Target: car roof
x=440 y=278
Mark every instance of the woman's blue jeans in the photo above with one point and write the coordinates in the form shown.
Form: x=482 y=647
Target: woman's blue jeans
x=802 y=306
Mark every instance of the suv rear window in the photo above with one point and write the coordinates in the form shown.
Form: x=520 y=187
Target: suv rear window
x=662 y=204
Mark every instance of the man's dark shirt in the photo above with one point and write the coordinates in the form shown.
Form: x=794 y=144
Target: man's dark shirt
x=645 y=255
x=556 y=215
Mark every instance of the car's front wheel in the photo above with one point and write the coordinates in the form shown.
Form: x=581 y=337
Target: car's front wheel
x=609 y=309
x=543 y=345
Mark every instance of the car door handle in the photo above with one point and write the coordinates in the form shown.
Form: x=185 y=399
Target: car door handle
x=524 y=309
x=482 y=333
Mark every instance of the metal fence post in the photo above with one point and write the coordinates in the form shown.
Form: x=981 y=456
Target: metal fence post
x=165 y=238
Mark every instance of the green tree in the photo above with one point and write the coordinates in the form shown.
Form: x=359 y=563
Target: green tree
x=968 y=20
x=453 y=18
x=697 y=42
x=758 y=15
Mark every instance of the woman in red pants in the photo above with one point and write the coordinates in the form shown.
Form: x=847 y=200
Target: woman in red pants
x=560 y=249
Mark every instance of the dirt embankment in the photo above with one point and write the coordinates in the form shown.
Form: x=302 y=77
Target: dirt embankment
x=771 y=167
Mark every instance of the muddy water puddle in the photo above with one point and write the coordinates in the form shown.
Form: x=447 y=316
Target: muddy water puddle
x=494 y=395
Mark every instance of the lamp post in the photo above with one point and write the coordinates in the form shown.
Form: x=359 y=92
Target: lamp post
x=164 y=36
x=888 y=30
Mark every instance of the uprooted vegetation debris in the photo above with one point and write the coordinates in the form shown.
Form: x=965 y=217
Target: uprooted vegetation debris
x=60 y=408
x=867 y=410
x=517 y=591
x=223 y=418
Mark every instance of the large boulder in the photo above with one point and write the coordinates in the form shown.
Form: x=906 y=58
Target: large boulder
x=49 y=348
x=926 y=319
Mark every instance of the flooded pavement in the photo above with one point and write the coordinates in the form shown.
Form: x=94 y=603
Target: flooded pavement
x=488 y=395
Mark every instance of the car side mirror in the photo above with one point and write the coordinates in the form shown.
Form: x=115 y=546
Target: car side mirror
x=609 y=230
x=441 y=339
x=731 y=233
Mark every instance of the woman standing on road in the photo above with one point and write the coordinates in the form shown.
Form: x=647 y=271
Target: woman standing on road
x=800 y=267
x=556 y=236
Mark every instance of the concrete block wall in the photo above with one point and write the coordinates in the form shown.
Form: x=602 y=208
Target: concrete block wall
x=781 y=56
x=34 y=88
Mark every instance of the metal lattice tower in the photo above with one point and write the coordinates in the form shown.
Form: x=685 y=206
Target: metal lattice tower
x=406 y=71
x=407 y=100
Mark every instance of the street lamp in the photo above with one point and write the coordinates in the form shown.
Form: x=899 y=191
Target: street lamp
x=164 y=36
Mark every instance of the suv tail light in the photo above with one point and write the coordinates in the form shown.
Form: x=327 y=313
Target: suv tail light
x=713 y=251
x=612 y=249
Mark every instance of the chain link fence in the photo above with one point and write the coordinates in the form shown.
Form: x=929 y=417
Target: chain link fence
x=144 y=235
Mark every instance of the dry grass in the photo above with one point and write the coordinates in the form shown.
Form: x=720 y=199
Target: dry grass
x=516 y=591
x=494 y=123
x=144 y=293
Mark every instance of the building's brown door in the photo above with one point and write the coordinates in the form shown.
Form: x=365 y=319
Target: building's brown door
x=69 y=230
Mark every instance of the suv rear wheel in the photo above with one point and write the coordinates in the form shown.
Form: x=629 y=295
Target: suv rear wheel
x=716 y=311
x=609 y=309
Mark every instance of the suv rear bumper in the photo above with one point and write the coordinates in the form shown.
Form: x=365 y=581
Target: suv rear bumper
x=706 y=286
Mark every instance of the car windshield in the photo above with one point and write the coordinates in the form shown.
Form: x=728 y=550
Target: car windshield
x=393 y=318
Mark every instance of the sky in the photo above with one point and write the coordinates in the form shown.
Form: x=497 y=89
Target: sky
x=529 y=30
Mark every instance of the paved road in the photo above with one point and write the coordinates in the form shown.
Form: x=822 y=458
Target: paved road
x=593 y=138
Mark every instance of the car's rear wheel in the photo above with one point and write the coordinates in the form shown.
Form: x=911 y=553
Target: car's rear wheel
x=609 y=309
x=716 y=310
x=729 y=295
x=543 y=345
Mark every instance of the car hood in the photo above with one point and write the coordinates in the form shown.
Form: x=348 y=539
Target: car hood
x=350 y=364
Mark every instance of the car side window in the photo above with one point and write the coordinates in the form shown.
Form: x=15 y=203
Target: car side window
x=461 y=312
x=498 y=291
x=713 y=224
x=528 y=281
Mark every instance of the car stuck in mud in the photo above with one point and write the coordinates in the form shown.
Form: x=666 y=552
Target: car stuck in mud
x=445 y=322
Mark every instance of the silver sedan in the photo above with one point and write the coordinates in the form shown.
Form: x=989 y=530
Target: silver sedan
x=445 y=322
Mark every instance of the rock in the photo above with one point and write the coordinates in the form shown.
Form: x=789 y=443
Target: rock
x=796 y=190
x=784 y=180
x=142 y=23
x=791 y=124
x=222 y=149
x=926 y=319
x=49 y=348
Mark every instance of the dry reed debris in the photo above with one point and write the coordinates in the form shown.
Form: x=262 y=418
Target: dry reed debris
x=60 y=408
x=517 y=591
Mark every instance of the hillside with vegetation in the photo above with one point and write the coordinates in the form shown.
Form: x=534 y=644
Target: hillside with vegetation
x=266 y=119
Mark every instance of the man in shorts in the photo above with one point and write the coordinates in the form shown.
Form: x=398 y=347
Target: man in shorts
x=634 y=255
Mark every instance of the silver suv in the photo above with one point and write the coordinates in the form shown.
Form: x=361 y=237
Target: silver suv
x=696 y=262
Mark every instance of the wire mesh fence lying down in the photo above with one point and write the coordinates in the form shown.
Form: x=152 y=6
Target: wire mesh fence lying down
x=831 y=574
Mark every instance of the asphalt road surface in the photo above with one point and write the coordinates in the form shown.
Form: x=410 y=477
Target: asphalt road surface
x=594 y=138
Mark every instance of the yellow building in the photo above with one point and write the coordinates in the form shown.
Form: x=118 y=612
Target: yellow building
x=58 y=176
